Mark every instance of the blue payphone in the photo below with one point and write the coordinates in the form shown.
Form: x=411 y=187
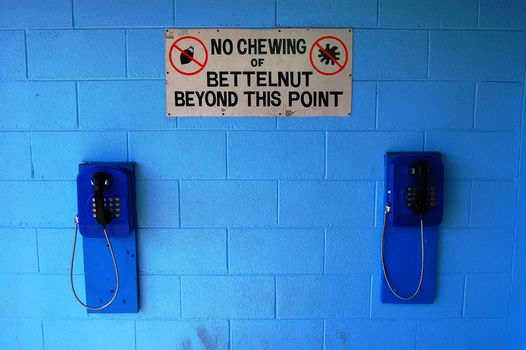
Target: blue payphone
x=414 y=188
x=107 y=221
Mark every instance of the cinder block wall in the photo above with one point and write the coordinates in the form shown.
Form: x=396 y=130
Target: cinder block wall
x=260 y=233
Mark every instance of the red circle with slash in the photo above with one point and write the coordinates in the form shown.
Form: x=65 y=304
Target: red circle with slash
x=201 y=65
x=341 y=66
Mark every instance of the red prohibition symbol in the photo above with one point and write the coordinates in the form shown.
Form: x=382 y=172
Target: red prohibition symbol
x=191 y=58
x=329 y=56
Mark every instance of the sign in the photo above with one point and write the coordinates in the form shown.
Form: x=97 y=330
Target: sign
x=267 y=73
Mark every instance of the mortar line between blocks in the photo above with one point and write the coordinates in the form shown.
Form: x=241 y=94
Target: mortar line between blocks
x=38 y=250
x=42 y=333
x=276 y=13
x=371 y=296
x=324 y=251
x=31 y=160
x=126 y=53
x=376 y=203
x=478 y=14
x=326 y=154
x=135 y=333
x=428 y=54
x=463 y=314
x=77 y=104
x=227 y=233
x=278 y=219
x=127 y=138
x=416 y=333
x=275 y=297
x=475 y=95
x=470 y=222
x=376 y=122
x=26 y=55
x=180 y=296
x=377 y=13
x=229 y=334
x=265 y=27
x=324 y=334
x=173 y=12
x=179 y=202
x=226 y=155
x=73 y=13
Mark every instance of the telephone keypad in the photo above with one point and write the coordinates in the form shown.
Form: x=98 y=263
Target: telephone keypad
x=413 y=193
x=112 y=203
x=431 y=196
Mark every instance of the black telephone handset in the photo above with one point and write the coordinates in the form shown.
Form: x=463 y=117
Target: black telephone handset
x=418 y=195
x=99 y=182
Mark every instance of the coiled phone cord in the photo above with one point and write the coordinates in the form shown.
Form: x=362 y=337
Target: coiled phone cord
x=114 y=265
x=386 y=212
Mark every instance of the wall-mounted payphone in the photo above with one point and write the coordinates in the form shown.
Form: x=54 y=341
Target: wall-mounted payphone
x=414 y=186
x=107 y=220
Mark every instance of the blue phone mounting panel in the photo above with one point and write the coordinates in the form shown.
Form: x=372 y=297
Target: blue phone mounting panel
x=99 y=273
x=402 y=246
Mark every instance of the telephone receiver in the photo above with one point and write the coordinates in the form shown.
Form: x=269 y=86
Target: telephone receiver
x=100 y=181
x=418 y=195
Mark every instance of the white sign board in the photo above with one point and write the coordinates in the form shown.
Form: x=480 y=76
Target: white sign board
x=267 y=73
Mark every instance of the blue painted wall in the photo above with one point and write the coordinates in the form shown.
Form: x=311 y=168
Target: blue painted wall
x=261 y=232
